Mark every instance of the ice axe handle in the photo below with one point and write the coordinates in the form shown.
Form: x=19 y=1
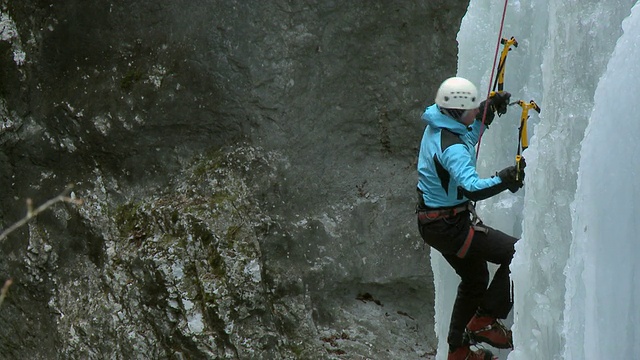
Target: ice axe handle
x=518 y=159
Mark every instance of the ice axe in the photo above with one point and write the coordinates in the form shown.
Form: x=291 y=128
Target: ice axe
x=499 y=81
x=523 y=141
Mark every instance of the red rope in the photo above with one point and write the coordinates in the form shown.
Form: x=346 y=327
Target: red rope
x=495 y=59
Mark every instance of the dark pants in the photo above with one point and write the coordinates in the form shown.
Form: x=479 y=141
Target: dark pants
x=487 y=244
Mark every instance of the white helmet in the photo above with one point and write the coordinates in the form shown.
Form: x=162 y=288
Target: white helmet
x=457 y=93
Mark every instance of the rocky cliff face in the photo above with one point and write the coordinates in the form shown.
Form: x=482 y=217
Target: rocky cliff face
x=247 y=170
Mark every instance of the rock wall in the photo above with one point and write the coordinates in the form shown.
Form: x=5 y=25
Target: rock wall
x=247 y=170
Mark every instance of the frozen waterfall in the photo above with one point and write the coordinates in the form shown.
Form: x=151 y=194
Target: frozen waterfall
x=576 y=285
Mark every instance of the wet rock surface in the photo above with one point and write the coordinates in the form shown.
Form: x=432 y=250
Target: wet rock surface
x=247 y=170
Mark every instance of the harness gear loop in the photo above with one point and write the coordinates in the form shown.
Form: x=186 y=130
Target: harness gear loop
x=475 y=219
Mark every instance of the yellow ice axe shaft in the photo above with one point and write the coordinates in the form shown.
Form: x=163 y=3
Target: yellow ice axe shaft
x=523 y=138
x=499 y=82
x=523 y=120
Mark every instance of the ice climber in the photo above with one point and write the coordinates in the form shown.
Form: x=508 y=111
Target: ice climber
x=448 y=183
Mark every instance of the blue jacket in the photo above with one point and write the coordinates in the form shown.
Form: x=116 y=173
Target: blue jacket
x=447 y=173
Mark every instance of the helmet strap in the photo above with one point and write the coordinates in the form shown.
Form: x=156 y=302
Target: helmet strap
x=454 y=113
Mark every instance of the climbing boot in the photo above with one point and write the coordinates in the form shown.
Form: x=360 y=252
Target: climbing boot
x=489 y=330
x=465 y=353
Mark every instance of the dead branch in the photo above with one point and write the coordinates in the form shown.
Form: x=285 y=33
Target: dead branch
x=4 y=290
x=31 y=212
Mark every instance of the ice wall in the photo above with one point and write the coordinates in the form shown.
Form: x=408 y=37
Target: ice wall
x=602 y=310
x=564 y=48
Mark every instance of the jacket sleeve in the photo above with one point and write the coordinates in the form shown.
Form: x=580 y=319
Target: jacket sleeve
x=458 y=162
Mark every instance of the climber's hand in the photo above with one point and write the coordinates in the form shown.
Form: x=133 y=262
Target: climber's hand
x=500 y=101
x=513 y=178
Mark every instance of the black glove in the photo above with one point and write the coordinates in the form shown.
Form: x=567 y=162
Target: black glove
x=500 y=101
x=497 y=104
x=513 y=178
x=490 y=115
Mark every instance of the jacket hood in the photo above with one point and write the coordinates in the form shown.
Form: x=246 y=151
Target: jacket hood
x=435 y=118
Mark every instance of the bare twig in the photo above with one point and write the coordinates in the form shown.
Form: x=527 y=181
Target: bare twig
x=31 y=212
x=4 y=290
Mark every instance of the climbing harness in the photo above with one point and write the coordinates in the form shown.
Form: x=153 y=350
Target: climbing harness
x=427 y=215
x=436 y=214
